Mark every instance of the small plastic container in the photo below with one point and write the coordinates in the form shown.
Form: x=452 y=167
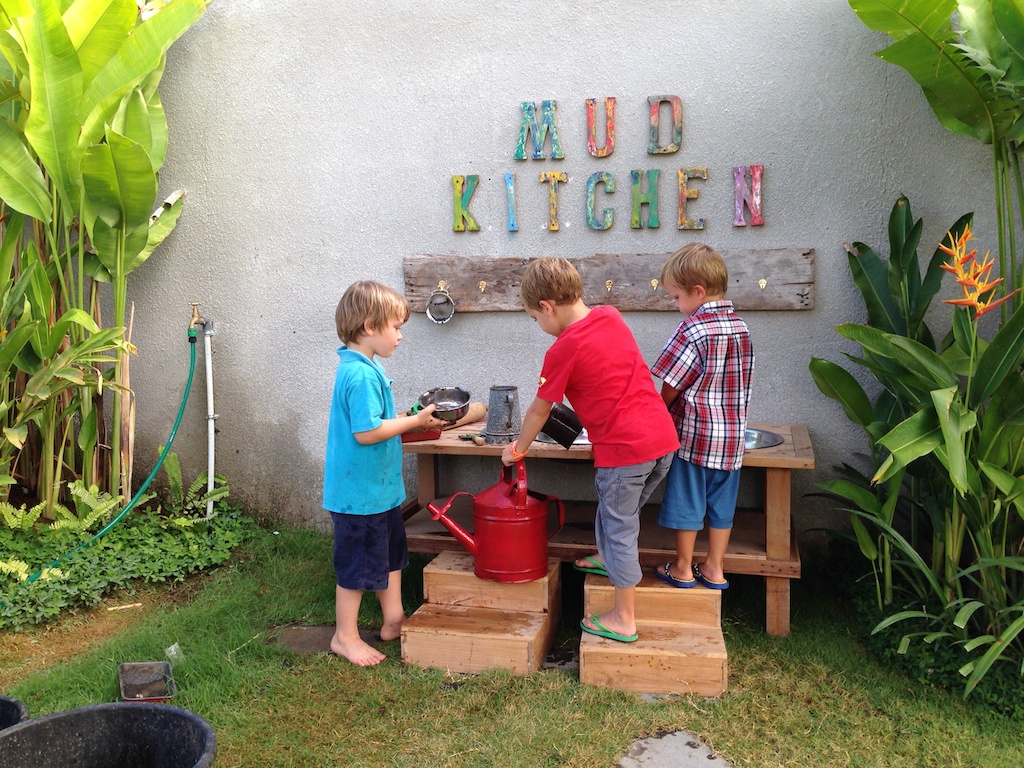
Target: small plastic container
x=146 y=681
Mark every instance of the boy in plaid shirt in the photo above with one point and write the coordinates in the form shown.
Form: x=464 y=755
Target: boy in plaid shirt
x=705 y=370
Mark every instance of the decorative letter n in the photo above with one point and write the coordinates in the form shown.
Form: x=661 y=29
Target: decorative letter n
x=750 y=196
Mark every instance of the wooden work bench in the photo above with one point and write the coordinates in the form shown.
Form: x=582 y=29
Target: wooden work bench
x=763 y=542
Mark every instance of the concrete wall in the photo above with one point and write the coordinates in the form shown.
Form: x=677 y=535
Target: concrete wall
x=317 y=141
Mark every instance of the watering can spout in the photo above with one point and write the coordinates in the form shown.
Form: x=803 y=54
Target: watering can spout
x=461 y=534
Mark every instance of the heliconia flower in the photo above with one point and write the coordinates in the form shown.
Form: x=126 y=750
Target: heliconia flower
x=970 y=275
x=993 y=304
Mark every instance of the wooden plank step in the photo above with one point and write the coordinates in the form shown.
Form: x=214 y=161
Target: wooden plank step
x=463 y=639
x=449 y=579
x=659 y=601
x=666 y=659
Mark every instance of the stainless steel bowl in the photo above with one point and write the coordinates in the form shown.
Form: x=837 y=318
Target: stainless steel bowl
x=451 y=403
x=760 y=438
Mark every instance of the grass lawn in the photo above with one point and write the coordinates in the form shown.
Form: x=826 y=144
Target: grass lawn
x=813 y=699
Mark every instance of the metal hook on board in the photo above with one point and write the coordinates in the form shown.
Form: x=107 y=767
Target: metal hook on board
x=608 y=285
x=654 y=284
x=483 y=286
x=762 y=283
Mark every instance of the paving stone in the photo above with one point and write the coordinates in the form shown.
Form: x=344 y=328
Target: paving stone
x=674 y=749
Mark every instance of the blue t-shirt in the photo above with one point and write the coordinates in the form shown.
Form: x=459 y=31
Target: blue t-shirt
x=361 y=479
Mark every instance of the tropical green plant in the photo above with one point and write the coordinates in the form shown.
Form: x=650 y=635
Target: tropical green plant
x=897 y=295
x=968 y=58
x=82 y=139
x=947 y=437
x=188 y=504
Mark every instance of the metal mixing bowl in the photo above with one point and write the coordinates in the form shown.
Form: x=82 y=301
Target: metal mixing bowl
x=451 y=403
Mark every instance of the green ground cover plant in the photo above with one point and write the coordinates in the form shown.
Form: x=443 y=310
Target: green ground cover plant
x=147 y=546
x=817 y=698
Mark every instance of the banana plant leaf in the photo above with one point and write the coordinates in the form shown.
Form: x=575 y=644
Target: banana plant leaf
x=836 y=382
x=97 y=30
x=913 y=356
x=22 y=186
x=911 y=439
x=927 y=47
x=871 y=278
x=1002 y=355
x=141 y=53
x=55 y=78
x=955 y=421
x=119 y=183
x=132 y=120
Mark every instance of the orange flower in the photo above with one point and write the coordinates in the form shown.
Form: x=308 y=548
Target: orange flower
x=970 y=275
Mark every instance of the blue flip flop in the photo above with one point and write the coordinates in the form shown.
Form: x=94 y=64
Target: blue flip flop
x=708 y=582
x=603 y=631
x=664 y=573
x=597 y=566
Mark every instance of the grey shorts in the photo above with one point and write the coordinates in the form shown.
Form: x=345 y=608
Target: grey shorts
x=621 y=492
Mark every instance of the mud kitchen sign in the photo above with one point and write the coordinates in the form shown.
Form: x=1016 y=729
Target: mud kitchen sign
x=538 y=132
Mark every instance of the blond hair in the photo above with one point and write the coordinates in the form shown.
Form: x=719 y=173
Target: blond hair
x=550 y=279
x=367 y=304
x=697 y=264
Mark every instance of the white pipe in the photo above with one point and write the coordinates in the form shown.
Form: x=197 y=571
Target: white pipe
x=211 y=416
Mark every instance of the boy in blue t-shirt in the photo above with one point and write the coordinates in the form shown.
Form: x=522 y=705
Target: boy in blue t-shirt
x=363 y=486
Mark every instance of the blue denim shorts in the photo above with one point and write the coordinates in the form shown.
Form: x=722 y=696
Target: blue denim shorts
x=692 y=491
x=367 y=548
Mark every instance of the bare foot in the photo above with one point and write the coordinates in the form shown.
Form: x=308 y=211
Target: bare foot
x=392 y=630
x=610 y=622
x=357 y=650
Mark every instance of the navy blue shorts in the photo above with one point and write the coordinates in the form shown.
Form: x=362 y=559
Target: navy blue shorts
x=367 y=548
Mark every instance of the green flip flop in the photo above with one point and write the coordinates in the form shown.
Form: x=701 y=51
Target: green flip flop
x=596 y=566
x=601 y=630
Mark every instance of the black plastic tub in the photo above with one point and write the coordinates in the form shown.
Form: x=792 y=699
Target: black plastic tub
x=119 y=735
x=12 y=712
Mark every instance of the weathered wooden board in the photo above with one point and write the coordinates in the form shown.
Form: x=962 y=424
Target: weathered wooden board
x=759 y=279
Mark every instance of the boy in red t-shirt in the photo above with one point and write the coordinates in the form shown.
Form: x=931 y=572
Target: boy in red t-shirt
x=596 y=365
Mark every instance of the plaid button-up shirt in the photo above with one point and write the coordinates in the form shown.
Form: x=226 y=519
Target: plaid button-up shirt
x=709 y=359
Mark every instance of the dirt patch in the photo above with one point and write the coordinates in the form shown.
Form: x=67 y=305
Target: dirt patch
x=30 y=650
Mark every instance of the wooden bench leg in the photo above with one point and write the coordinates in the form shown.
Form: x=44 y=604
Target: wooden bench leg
x=426 y=478
x=777 y=606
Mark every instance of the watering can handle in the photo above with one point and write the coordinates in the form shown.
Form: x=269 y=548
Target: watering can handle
x=519 y=484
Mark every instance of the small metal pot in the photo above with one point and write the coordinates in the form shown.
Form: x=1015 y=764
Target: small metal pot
x=451 y=403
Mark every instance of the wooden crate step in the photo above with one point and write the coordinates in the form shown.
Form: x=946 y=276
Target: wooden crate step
x=448 y=579
x=658 y=601
x=464 y=639
x=666 y=659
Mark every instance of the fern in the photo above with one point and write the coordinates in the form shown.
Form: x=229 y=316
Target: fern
x=93 y=503
x=185 y=504
x=15 y=568
x=91 y=506
x=174 y=485
x=20 y=518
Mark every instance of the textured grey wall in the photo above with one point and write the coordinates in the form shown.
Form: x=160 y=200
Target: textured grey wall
x=316 y=142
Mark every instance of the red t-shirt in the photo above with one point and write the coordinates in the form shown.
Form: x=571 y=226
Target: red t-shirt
x=596 y=364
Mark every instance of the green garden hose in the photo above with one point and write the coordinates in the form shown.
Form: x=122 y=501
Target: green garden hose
x=145 y=485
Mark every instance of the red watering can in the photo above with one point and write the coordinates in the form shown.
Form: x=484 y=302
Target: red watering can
x=510 y=524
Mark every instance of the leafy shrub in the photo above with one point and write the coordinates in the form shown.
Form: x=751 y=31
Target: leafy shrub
x=147 y=546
